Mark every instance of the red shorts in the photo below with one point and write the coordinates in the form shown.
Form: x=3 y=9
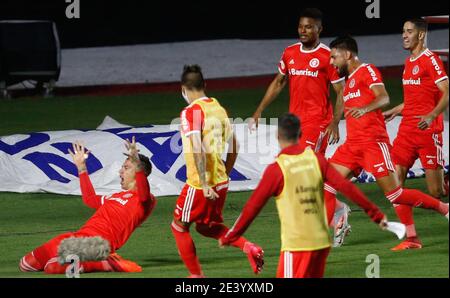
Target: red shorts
x=49 y=249
x=409 y=146
x=315 y=138
x=372 y=157
x=192 y=206
x=302 y=264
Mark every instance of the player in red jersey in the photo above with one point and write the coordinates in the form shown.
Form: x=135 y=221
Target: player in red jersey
x=367 y=145
x=296 y=179
x=205 y=130
x=425 y=85
x=306 y=65
x=115 y=219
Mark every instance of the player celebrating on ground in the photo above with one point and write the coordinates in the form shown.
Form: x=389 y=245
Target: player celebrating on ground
x=115 y=219
x=367 y=145
x=205 y=130
x=297 y=179
x=307 y=67
x=425 y=85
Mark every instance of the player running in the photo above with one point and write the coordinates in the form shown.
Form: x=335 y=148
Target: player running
x=297 y=179
x=115 y=219
x=205 y=130
x=306 y=65
x=425 y=89
x=367 y=145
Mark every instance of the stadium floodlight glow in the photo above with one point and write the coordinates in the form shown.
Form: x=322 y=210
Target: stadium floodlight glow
x=29 y=50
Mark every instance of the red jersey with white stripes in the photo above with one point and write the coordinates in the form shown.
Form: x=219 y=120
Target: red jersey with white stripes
x=421 y=94
x=310 y=74
x=358 y=93
x=119 y=214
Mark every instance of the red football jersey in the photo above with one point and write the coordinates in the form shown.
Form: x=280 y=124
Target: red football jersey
x=119 y=214
x=357 y=93
x=421 y=94
x=310 y=74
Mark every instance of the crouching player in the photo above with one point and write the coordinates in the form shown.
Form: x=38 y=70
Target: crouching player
x=117 y=216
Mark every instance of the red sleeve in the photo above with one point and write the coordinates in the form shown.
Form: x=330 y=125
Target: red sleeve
x=333 y=74
x=271 y=184
x=373 y=76
x=143 y=187
x=282 y=65
x=90 y=198
x=436 y=69
x=350 y=191
x=192 y=119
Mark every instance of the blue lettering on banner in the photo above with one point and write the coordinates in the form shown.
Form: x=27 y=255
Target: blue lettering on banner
x=35 y=139
x=163 y=157
x=44 y=160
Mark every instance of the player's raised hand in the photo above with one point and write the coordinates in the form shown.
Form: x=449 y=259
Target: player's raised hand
x=79 y=156
x=332 y=132
x=132 y=150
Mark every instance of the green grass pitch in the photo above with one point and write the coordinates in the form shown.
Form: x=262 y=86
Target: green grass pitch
x=28 y=220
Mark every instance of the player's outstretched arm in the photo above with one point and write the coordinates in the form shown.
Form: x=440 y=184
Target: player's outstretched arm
x=272 y=93
x=271 y=184
x=142 y=185
x=79 y=156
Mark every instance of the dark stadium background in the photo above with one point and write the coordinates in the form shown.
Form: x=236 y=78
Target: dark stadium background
x=107 y=23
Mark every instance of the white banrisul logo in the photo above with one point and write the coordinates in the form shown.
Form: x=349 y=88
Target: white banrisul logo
x=352 y=83
x=416 y=70
x=314 y=63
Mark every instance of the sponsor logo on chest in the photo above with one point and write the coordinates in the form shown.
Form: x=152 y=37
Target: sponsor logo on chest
x=352 y=95
x=411 y=82
x=304 y=72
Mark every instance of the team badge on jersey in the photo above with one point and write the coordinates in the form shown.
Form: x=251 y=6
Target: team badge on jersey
x=352 y=83
x=416 y=70
x=314 y=63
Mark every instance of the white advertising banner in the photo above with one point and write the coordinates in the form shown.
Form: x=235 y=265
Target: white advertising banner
x=40 y=162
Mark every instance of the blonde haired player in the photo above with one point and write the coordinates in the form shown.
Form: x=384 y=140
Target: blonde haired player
x=205 y=130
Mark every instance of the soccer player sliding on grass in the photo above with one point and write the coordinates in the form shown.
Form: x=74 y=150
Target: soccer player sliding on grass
x=296 y=180
x=205 y=130
x=115 y=219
